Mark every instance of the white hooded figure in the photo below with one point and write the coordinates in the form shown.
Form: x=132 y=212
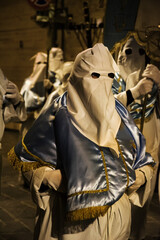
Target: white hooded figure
x=12 y=107
x=139 y=78
x=56 y=64
x=88 y=161
x=61 y=88
x=132 y=62
x=46 y=78
x=33 y=89
x=37 y=86
x=98 y=120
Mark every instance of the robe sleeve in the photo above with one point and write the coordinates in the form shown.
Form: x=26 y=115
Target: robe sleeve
x=140 y=196
x=15 y=113
x=33 y=97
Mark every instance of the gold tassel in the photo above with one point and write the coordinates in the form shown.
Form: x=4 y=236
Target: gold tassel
x=26 y=166
x=87 y=213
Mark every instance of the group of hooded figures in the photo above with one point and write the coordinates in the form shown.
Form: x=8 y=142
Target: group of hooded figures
x=91 y=171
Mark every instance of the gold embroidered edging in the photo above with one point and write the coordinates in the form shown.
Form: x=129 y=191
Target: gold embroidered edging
x=120 y=89
x=125 y=165
x=138 y=121
x=36 y=157
x=99 y=190
x=119 y=78
x=87 y=213
x=27 y=166
x=93 y=212
x=105 y=168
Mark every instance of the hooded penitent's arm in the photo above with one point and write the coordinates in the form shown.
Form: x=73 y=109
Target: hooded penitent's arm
x=143 y=87
x=42 y=181
x=13 y=104
x=37 y=161
x=153 y=73
x=125 y=97
x=150 y=75
x=139 y=192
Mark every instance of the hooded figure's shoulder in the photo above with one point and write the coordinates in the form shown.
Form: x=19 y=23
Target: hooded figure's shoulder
x=54 y=106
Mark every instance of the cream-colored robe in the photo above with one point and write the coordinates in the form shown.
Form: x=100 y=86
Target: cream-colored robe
x=8 y=113
x=114 y=225
x=151 y=132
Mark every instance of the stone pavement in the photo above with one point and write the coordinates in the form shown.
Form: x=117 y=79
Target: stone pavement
x=17 y=210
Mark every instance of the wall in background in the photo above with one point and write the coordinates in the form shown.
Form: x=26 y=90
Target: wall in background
x=21 y=37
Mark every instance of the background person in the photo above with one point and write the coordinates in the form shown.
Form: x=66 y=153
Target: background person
x=11 y=107
x=87 y=160
x=136 y=79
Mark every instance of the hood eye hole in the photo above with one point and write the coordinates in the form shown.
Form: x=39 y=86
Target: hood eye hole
x=141 y=51
x=95 y=75
x=128 y=51
x=111 y=75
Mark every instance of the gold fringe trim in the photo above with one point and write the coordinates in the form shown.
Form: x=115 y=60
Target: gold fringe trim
x=89 y=191
x=26 y=166
x=87 y=213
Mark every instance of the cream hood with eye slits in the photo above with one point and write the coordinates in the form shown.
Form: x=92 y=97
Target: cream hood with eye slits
x=90 y=102
x=39 y=68
x=133 y=62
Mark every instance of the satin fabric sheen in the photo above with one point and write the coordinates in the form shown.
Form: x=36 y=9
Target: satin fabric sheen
x=95 y=175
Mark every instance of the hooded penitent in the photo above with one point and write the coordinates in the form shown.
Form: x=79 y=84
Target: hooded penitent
x=90 y=99
x=33 y=89
x=80 y=132
x=131 y=59
x=56 y=62
x=67 y=67
x=39 y=68
x=3 y=87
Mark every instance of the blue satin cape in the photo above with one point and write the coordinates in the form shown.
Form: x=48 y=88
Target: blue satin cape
x=96 y=177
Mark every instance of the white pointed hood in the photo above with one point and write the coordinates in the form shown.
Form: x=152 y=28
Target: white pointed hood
x=91 y=103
